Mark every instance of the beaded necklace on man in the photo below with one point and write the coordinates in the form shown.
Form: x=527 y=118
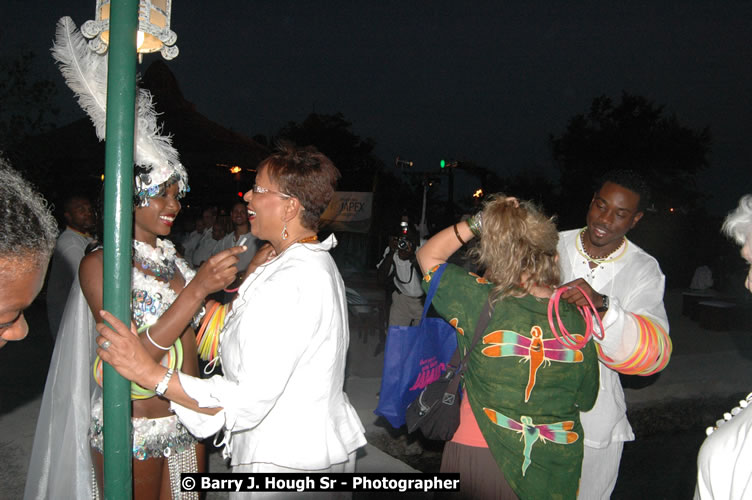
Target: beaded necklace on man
x=600 y=260
x=160 y=261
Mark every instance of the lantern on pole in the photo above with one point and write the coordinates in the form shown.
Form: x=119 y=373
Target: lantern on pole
x=154 y=33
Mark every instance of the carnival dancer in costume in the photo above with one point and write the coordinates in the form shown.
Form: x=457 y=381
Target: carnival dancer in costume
x=523 y=388
x=280 y=401
x=724 y=468
x=164 y=298
x=626 y=285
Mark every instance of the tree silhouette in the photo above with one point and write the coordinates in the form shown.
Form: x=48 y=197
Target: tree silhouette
x=361 y=170
x=636 y=134
x=332 y=135
x=26 y=105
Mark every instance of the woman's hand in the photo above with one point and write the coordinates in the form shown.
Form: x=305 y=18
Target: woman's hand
x=263 y=255
x=126 y=354
x=218 y=271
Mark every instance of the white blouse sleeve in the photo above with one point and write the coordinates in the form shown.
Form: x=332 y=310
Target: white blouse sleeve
x=274 y=330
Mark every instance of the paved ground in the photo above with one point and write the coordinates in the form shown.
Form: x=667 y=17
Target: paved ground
x=708 y=374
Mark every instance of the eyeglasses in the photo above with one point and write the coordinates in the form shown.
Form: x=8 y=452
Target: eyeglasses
x=262 y=190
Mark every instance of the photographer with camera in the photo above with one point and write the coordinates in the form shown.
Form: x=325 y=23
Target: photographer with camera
x=398 y=270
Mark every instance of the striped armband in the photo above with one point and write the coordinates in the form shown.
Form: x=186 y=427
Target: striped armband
x=650 y=356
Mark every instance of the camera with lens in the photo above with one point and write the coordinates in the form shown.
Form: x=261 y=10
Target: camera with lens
x=403 y=242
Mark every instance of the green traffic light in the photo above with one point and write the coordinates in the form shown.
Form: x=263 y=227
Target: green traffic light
x=442 y=163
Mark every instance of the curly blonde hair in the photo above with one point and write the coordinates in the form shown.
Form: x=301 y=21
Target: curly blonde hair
x=516 y=241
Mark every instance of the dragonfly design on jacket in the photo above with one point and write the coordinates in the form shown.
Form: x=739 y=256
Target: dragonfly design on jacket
x=558 y=432
x=534 y=349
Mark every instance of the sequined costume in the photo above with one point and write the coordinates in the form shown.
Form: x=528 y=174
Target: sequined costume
x=61 y=465
x=70 y=415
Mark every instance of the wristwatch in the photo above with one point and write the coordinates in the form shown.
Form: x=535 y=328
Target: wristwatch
x=162 y=386
x=604 y=307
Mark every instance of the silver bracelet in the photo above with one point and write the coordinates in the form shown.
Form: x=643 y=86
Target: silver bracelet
x=475 y=223
x=161 y=387
x=154 y=343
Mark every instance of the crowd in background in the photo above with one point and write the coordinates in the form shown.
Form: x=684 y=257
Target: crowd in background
x=589 y=256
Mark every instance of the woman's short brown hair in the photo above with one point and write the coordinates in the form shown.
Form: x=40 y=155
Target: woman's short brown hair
x=516 y=241
x=306 y=174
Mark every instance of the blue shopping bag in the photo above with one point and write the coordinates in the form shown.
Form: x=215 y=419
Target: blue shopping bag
x=414 y=356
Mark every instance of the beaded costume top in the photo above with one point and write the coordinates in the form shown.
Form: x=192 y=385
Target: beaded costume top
x=150 y=296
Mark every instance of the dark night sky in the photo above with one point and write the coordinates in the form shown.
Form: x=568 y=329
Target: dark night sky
x=480 y=81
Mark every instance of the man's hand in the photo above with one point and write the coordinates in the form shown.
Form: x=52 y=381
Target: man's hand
x=575 y=297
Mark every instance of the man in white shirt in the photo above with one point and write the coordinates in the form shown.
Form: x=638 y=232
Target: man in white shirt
x=191 y=240
x=241 y=232
x=398 y=268
x=621 y=279
x=69 y=250
x=206 y=244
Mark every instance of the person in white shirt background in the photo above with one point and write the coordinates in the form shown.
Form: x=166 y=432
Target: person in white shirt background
x=206 y=244
x=191 y=240
x=71 y=245
x=241 y=233
x=398 y=270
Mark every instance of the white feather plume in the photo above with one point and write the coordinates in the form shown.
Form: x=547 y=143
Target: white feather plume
x=85 y=72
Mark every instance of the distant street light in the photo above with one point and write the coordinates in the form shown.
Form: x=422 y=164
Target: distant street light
x=154 y=33
x=478 y=194
x=450 y=163
x=400 y=163
x=235 y=170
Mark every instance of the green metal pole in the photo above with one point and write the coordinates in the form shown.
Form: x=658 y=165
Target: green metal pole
x=118 y=230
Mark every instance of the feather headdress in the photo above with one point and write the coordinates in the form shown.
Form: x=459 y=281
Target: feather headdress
x=85 y=72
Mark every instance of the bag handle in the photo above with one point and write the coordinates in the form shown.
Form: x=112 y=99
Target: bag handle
x=432 y=289
x=480 y=326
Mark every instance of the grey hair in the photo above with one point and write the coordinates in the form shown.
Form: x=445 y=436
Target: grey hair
x=27 y=227
x=738 y=224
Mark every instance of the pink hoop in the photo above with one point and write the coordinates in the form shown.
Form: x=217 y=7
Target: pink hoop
x=566 y=339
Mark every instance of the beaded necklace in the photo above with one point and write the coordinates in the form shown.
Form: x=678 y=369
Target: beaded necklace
x=599 y=260
x=160 y=261
x=308 y=239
